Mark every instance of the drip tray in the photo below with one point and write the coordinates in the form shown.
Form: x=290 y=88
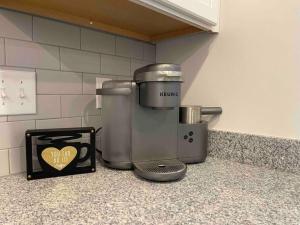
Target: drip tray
x=162 y=170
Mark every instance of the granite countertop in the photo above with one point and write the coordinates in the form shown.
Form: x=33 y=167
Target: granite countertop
x=215 y=192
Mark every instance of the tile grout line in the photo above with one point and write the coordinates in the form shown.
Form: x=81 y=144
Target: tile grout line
x=60 y=94
x=8 y=158
x=144 y=45
x=63 y=117
x=130 y=66
x=28 y=68
x=60 y=103
x=32 y=25
x=4 y=46
x=59 y=58
x=25 y=120
x=36 y=95
x=80 y=38
x=63 y=71
x=82 y=83
x=115 y=49
x=100 y=56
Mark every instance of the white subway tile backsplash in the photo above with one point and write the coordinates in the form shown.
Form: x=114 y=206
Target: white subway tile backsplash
x=4 y=163
x=92 y=121
x=129 y=48
x=57 y=82
x=67 y=60
x=59 y=123
x=55 y=33
x=97 y=41
x=89 y=83
x=78 y=105
x=17 y=160
x=2 y=56
x=48 y=106
x=15 y=25
x=13 y=133
x=149 y=52
x=115 y=65
x=3 y=119
x=29 y=54
x=79 y=61
x=136 y=64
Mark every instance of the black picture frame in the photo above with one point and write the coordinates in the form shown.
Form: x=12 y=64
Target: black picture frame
x=29 y=134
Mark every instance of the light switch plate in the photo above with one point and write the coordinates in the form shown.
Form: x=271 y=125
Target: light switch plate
x=17 y=92
x=99 y=82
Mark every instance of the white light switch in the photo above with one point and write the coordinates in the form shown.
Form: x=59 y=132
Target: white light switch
x=17 y=92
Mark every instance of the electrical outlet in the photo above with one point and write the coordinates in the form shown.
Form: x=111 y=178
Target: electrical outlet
x=17 y=92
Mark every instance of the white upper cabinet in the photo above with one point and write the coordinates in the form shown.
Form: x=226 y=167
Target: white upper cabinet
x=200 y=13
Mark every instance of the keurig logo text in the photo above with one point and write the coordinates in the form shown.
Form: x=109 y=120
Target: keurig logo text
x=163 y=93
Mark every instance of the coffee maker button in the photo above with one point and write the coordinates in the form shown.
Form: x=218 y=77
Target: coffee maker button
x=191 y=140
x=191 y=133
x=185 y=137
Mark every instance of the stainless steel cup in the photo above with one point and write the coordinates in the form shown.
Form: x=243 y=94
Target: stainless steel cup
x=192 y=114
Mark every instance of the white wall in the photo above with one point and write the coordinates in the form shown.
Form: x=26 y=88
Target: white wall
x=251 y=68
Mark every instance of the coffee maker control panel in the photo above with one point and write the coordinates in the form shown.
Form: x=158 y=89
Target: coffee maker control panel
x=189 y=137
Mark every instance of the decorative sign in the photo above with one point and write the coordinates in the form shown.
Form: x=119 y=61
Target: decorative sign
x=59 y=159
x=57 y=152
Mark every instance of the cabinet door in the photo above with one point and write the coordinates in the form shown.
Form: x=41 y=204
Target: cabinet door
x=202 y=13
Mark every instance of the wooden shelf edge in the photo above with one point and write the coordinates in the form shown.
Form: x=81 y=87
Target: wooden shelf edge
x=72 y=19
x=175 y=33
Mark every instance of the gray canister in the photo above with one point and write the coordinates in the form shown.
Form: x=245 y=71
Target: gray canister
x=193 y=133
x=116 y=117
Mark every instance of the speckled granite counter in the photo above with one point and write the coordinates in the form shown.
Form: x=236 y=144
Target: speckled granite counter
x=216 y=192
x=257 y=150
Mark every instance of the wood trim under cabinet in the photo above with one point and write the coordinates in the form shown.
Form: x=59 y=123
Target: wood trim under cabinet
x=175 y=33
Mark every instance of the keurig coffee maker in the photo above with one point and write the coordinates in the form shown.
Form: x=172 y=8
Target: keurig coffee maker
x=144 y=127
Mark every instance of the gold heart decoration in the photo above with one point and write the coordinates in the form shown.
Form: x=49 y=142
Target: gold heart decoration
x=59 y=159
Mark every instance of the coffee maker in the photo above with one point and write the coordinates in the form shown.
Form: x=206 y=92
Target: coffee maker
x=144 y=127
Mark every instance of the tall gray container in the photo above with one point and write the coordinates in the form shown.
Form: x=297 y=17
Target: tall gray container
x=116 y=117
